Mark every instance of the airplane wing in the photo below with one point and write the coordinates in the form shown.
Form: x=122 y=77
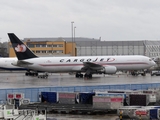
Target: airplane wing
x=88 y=65
x=92 y=65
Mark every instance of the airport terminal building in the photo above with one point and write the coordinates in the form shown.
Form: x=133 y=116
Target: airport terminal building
x=80 y=46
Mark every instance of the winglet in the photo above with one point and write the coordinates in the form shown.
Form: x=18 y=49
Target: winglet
x=21 y=50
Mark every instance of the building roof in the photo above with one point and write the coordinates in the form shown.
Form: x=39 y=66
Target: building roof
x=146 y=42
x=67 y=39
x=109 y=43
x=81 y=41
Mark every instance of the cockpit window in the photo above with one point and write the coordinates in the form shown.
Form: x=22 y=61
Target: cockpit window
x=150 y=59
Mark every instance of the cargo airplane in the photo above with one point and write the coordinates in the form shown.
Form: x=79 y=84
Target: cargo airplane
x=80 y=64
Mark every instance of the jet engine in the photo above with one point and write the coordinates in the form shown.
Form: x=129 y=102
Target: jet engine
x=110 y=70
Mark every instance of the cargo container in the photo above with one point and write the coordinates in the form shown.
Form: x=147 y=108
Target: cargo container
x=67 y=98
x=116 y=102
x=50 y=97
x=107 y=102
x=155 y=113
x=140 y=99
x=86 y=98
x=157 y=96
x=102 y=102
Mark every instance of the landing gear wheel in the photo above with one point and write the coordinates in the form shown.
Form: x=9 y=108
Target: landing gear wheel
x=134 y=73
x=143 y=74
x=26 y=73
x=31 y=74
x=79 y=75
x=88 y=76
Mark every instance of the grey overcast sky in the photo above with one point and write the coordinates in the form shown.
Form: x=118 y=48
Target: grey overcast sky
x=108 y=19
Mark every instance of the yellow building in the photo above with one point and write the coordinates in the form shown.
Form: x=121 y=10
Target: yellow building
x=49 y=48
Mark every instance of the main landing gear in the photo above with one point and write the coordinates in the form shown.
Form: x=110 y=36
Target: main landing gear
x=31 y=73
x=88 y=75
x=136 y=73
x=40 y=75
x=79 y=75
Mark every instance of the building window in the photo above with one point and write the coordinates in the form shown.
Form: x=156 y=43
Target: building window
x=54 y=45
x=60 y=45
x=38 y=45
x=49 y=45
x=43 y=45
x=57 y=51
x=50 y=51
x=43 y=51
x=38 y=51
x=30 y=45
x=54 y=51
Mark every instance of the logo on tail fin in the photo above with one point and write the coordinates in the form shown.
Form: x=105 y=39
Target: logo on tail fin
x=20 y=48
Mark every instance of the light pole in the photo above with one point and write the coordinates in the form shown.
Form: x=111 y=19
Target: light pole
x=72 y=35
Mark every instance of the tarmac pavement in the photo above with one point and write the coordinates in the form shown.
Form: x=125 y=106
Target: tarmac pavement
x=19 y=80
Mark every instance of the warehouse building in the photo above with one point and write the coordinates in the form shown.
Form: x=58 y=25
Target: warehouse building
x=45 y=47
x=80 y=46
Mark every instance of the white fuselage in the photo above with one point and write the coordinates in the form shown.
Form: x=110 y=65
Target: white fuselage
x=6 y=64
x=71 y=64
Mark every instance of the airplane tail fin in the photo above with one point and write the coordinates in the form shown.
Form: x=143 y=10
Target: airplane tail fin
x=21 y=50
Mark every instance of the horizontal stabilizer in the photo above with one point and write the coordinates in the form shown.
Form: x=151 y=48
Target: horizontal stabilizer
x=21 y=63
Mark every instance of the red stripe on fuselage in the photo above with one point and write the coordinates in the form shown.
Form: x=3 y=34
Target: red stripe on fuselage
x=95 y=63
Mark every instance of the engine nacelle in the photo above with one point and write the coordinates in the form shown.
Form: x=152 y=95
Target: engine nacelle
x=110 y=70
